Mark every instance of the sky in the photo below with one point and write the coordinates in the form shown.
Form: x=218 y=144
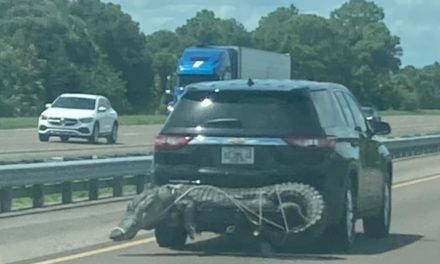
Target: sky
x=416 y=22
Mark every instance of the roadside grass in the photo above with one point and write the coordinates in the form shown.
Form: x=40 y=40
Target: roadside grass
x=31 y=122
x=77 y=196
x=129 y=120
x=417 y=112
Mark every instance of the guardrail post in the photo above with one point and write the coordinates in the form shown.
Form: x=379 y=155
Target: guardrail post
x=5 y=199
x=66 y=192
x=140 y=183
x=118 y=186
x=38 y=195
x=94 y=189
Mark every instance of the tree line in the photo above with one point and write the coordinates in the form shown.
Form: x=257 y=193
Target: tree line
x=49 y=47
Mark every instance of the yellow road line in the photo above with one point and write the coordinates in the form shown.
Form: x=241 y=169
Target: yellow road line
x=152 y=239
x=98 y=251
x=416 y=181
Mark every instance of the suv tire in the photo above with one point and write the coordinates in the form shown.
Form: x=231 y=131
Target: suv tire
x=379 y=225
x=94 y=137
x=43 y=138
x=64 y=138
x=170 y=237
x=341 y=237
x=113 y=136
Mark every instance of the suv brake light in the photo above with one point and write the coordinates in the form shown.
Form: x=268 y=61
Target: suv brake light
x=171 y=142
x=320 y=142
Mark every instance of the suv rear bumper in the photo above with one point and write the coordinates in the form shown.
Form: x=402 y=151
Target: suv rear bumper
x=330 y=185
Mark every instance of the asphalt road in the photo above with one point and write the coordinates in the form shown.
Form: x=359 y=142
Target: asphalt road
x=22 y=144
x=414 y=239
x=47 y=237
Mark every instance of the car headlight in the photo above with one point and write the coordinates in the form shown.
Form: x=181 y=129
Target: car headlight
x=86 y=120
x=43 y=117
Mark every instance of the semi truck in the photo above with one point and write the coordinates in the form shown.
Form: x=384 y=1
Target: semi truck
x=213 y=63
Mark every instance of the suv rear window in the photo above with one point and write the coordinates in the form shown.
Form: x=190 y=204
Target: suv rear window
x=258 y=113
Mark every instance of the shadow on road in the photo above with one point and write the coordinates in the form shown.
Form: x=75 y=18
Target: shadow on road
x=225 y=246
x=79 y=141
x=371 y=246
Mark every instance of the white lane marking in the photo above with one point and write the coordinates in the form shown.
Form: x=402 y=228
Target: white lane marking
x=416 y=181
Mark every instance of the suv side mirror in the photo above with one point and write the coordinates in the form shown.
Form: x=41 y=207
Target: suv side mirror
x=102 y=109
x=381 y=128
x=47 y=105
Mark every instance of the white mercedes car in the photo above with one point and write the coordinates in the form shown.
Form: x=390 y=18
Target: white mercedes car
x=79 y=116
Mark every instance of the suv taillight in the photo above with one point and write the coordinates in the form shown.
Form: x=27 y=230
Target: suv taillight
x=171 y=142
x=320 y=142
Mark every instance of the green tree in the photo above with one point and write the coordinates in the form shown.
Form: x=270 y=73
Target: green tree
x=21 y=86
x=206 y=29
x=119 y=37
x=374 y=51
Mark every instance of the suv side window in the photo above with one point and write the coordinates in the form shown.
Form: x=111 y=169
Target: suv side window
x=329 y=115
x=359 y=118
x=345 y=109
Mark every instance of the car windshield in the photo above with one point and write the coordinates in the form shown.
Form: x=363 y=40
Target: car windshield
x=75 y=103
x=184 y=80
x=262 y=112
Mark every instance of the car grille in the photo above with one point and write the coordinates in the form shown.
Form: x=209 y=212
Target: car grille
x=63 y=121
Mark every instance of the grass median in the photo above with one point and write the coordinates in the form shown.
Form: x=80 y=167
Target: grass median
x=127 y=120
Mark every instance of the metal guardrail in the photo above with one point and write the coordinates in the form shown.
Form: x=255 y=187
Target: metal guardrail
x=38 y=178
x=34 y=178
x=412 y=146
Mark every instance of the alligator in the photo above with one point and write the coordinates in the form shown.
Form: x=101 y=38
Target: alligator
x=298 y=206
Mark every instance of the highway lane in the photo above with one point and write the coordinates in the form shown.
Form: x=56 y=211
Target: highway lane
x=415 y=238
x=19 y=144
x=23 y=144
x=80 y=229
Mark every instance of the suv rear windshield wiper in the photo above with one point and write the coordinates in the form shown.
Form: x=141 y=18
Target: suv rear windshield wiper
x=224 y=123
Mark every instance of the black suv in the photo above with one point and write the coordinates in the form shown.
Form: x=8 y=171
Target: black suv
x=252 y=134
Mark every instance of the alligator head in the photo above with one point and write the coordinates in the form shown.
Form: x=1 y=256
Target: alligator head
x=145 y=211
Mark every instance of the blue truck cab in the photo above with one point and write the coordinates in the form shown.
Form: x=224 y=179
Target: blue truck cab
x=214 y=63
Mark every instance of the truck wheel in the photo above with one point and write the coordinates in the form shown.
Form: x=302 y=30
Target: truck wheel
x=113 y=137
x=170 y=237
x=64 y=138
x=342 y=236
x=94 y=137
x=43 y=138
x=379 y=225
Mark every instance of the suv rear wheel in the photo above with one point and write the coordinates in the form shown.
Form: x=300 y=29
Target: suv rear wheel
x=342 y=235
x=170 y=237
x=379 y=225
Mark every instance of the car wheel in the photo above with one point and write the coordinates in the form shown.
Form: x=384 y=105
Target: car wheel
x=113 y=137
x=64 y=138
x=170 y=237
x=379 y=225
x=342 y=236
x=43 y=138
x=94 y=138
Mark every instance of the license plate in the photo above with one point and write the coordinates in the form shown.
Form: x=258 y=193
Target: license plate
x=61 y=132
x=237 y=155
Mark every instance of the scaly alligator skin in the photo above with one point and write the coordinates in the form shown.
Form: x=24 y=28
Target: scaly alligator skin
x=148 y=209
